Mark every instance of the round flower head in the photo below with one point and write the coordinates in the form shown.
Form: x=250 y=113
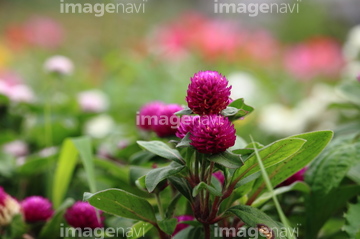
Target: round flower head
x=212 y=134
x=9 y=207
x=148 y=115
x=59 y=64
x=167 y=122
x=36 y=209
x=93 y=101
x=82 y=215
x=182 y=226
x=208 y=93
x=187 y=122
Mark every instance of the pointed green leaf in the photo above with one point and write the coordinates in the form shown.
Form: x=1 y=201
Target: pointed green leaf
x=163 y=150
x=270 y=155
x=207 y=187
x=227 y=159
x=168 y=225
x=352 y=216
x=139 y=230
x=155 y=176
x=121 y=203
x=315 y=143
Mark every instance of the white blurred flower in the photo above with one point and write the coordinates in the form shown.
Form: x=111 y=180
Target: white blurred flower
x=280 y=120
x=99 y=126
x=59 y=64
x=243 y=86
x=16 y=148
x=93 y=101
x=352 y=45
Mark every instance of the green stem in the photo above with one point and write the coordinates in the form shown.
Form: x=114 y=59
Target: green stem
x=161 y=209
x=270 y=189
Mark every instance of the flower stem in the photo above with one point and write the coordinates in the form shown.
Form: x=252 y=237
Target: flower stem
x=161 y=209
x=206 y=231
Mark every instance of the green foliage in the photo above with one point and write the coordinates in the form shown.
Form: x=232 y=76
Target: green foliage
x=352 y=216
x=121 y=203
x=163 y=150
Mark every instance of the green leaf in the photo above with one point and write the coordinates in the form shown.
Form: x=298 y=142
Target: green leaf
x=270 y=155
x=332 y=165
x=252 y=217
x=36 y=165
x=207 y=187
x=163 y=150
x=185 y=142
x=121 y=203
x=186 y=111
x=18 y=227
x=83 y=146
x=155 y=176
x=320 y=207
x=243 y=109
x=229 y=111
x=138 y=230
x=140 y=183
x=64 y=171
x=183 y=186
x=352 y=217
x=168 y=225
x=70 y=150
x=54 y=224
x=171 y=208
x=315 y=143
x=353 y=173
x=351 y=90
x=190 y=233
x=297 y=186
x=227 y=159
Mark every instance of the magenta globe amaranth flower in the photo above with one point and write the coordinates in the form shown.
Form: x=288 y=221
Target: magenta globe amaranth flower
x=82 y=215
x=9 y=207
x=147 y=115
x=36 y=209
x=219 y=175
x=167 y=122
x=186 y=124
x=298 y=176
x=212 y=134
x=181 y=226
x=208 y=93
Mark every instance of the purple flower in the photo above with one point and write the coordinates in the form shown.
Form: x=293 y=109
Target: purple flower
x=59 y=64
x=167 y=122
x=148 y=115
x=208 y=93
x=82 y=215
x=212 y=134
x=298 y=176
x=182 y=226
x=219 y=175
x=187 y=122
x=358 y=77
x=9 y=207
x=36 y=208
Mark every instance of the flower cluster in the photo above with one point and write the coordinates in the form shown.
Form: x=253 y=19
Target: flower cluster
x=36 y=209
x=207 y=95
x=159 y=117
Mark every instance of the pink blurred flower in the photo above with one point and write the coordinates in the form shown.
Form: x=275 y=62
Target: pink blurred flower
x=82 y=215
x=167 y=122
x=36 y=209
x=16 y=92
x=182 y=226
x=16 y=148
x=59 y=64
x=148 y=115
x=93 y=101
x=316 y=57
x=44 y=32
x=219 y=175
x=298 y=176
